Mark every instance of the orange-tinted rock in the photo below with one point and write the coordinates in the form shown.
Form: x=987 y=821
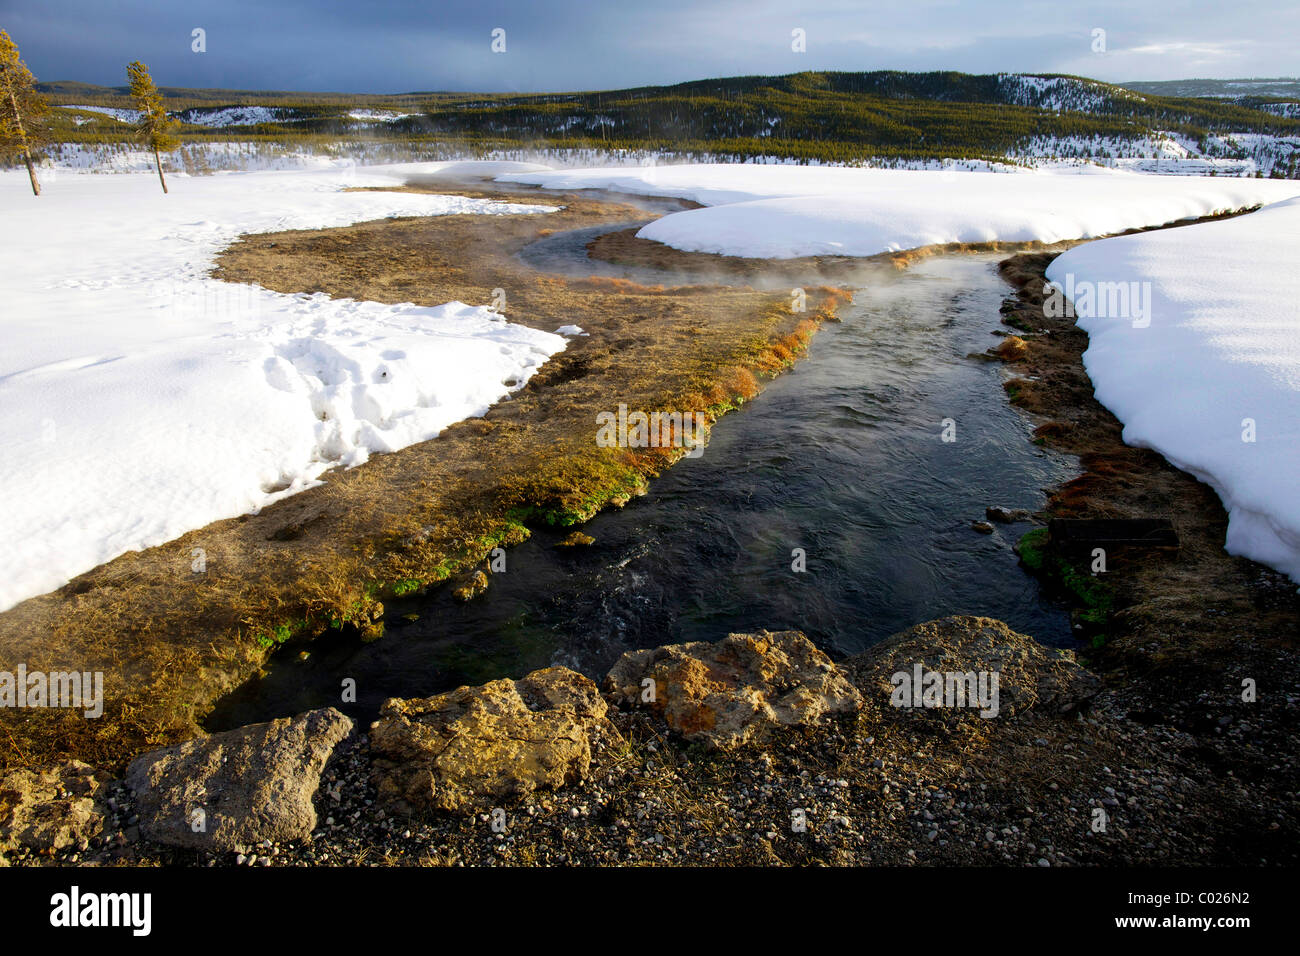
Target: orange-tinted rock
x=735 y=691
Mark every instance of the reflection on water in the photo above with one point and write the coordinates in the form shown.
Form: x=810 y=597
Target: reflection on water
x=841 y=457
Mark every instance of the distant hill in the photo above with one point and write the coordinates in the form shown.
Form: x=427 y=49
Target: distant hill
x=883 y=116
x=1279 y=88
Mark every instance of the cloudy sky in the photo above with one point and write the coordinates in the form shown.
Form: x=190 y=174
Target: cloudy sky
x=387 y=46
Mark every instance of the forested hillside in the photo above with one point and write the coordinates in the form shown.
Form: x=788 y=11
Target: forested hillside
x=822 y=117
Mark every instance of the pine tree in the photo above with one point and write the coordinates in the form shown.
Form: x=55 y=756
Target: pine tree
x=155 y=126
x=23 y=111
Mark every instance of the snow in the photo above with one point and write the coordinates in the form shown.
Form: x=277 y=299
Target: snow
x=210 y=157
x=198 y=116
x=1222 y=347
x=143 y=399
x=378 y=116
x=229 y=116
x=1059 y=93
x=1167 y=153
x=1290 y=110
x=761 y=211
x=125 y=116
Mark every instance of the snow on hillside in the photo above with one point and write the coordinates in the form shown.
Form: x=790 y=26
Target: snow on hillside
x=1059 y=93
x=143 y=399
x=198 y=116
x=378 y=116
x=122 y=115
x=1290 y=110
x=1211 y=378
x=229 y=116
x=789 y=211
x=1167 y=153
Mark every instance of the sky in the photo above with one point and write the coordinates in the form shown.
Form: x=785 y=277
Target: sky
x=391 y=46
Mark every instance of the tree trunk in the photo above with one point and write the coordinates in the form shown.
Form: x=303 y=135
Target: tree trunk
x=31 y=172
x=22 y=138
x=158 y=161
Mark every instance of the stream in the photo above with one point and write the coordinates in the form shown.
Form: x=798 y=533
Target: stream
x=841 y=457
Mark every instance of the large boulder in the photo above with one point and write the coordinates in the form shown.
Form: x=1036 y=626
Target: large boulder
x=1028 y=673
x=52 y=808
x=240 y=787
x=474 y=746
x=734 y=691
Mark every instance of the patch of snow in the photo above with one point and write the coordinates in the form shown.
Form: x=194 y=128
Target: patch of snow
x=229 y=116
x=1219 y=363
x=784 y=212
x=378 y=116
x=123 y=115
x=144 y=399
x=1059 y=93
x=1289 y=110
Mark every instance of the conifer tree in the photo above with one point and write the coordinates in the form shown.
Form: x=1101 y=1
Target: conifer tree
x=155 y=126
x=23 y=111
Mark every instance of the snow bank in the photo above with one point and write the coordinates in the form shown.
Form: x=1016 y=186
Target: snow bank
x=142 y=400
x=1218 y=364
x=782 y=212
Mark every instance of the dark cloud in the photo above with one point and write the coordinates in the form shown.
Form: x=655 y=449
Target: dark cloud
x=401 y=45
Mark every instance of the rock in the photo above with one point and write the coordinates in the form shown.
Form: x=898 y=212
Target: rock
x=737 y=690
x=1029 y=674
x=52 y=808
x=466 y=587
x=474 y=746
x=252 y=784
x=983 y=527
x=1007 y=515
x=576 y=538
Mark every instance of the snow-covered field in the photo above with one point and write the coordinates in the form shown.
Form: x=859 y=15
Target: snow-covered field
x=142 y=399
x=1213 y=382
x=788 y=211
